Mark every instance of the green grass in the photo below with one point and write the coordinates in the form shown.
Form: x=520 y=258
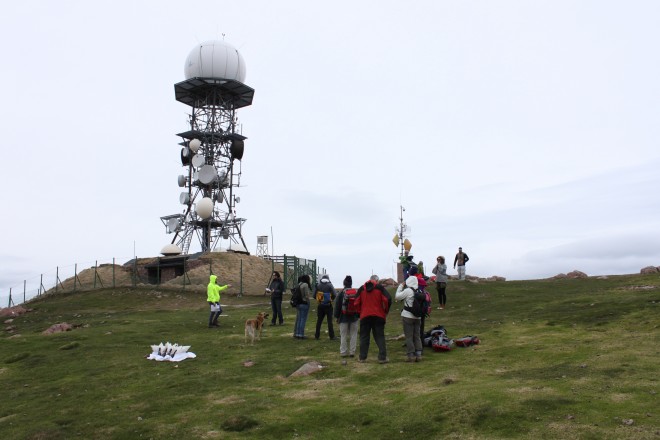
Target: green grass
x=558 y=359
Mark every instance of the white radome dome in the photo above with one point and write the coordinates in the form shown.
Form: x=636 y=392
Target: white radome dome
x=204 y=208
x=170 y=249
x=215 y=59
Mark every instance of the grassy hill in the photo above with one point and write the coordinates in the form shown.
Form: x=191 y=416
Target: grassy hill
x=558 y=359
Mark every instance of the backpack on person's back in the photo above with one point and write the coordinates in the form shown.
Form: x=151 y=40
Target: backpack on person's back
x=348 y=306
x=296 y=297
x=325 y=298
x=421 y=305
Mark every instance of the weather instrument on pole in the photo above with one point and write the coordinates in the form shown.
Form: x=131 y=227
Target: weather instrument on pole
x=211 y=150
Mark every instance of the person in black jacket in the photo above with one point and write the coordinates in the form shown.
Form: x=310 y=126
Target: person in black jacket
x=325 y=294
x=276 y=290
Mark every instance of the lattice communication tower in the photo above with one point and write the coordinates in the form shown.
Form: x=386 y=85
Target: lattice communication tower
x=211 y=150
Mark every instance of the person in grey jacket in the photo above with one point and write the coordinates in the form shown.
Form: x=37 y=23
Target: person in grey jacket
x=411 y=327
x=440 y=272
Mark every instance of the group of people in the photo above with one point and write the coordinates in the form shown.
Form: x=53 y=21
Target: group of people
x=364 y=309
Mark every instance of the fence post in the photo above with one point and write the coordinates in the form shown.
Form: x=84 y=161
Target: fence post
x=113 y=272
x=57 y=277
x=24 y=287
x=240 y=291
x=9 y=303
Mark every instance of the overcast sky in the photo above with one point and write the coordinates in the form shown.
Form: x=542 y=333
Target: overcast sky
x=525 y=132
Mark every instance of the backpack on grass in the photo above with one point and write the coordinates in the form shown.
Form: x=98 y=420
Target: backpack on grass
x=467 y=341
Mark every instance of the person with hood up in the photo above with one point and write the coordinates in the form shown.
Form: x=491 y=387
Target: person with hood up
x=347 y=318
x=325 y=294
x=411 y=323
x=373 y=303
x=213 y=297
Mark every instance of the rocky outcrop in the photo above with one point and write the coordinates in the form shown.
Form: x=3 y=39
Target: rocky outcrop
x=576 y=274
x=649 y=270
x=57 y=328
x=14 y=311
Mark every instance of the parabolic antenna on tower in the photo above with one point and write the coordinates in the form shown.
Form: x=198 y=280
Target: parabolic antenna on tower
x=215 y=59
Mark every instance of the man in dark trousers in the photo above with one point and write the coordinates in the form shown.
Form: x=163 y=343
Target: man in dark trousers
x=373 y=303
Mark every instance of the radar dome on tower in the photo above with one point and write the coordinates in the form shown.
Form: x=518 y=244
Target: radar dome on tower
x=215 y=59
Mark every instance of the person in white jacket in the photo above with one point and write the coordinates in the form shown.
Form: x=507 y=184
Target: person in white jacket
x=411 y=328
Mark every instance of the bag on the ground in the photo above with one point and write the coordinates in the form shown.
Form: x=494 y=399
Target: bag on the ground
x=296 y=297
x=348 y=304
x=435 y=332
x=421 y=304
x=467 y=341
x=441 y=342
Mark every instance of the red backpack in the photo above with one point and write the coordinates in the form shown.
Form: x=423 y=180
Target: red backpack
x=348 y=305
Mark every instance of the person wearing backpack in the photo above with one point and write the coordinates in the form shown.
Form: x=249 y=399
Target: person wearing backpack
x=347 y=317
x=325 y=294
x=373 y=303
x=302 y=309
x=411 y=322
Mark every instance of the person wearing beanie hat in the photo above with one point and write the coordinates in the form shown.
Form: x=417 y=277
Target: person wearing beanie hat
x=347 y=317
x=325 y=294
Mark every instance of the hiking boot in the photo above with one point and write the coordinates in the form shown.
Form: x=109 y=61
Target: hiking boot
x=418 y=359
x=272 y=324
x=410 y=359
x=362 y=361
x=384 y=361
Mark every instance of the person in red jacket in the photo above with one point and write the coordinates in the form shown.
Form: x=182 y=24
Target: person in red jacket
x=373 y=303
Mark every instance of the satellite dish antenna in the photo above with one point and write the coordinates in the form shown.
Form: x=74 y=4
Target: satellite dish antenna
x=170 y=249
x=184 y=198
x=173 y=225
x=208 y=174
x=181 y=180
x=194 y=145
x=198 y=160
x=237 y=148
x=237 y=199
x=204 y=208
x=185 y=156
x=219 y=197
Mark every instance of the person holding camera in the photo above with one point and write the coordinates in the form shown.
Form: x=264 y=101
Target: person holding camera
x=276 y=290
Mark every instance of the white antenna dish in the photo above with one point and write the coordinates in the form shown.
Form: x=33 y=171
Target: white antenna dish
x=198 y=160
x=208 y=174
x=184 y=198
x=204 y=208
x=173 y=225
x=170 y=249
x=215 y=59
x=194 y=145
x=181 y=180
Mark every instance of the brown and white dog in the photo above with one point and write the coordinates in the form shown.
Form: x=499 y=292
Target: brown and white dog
x=253 y=327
